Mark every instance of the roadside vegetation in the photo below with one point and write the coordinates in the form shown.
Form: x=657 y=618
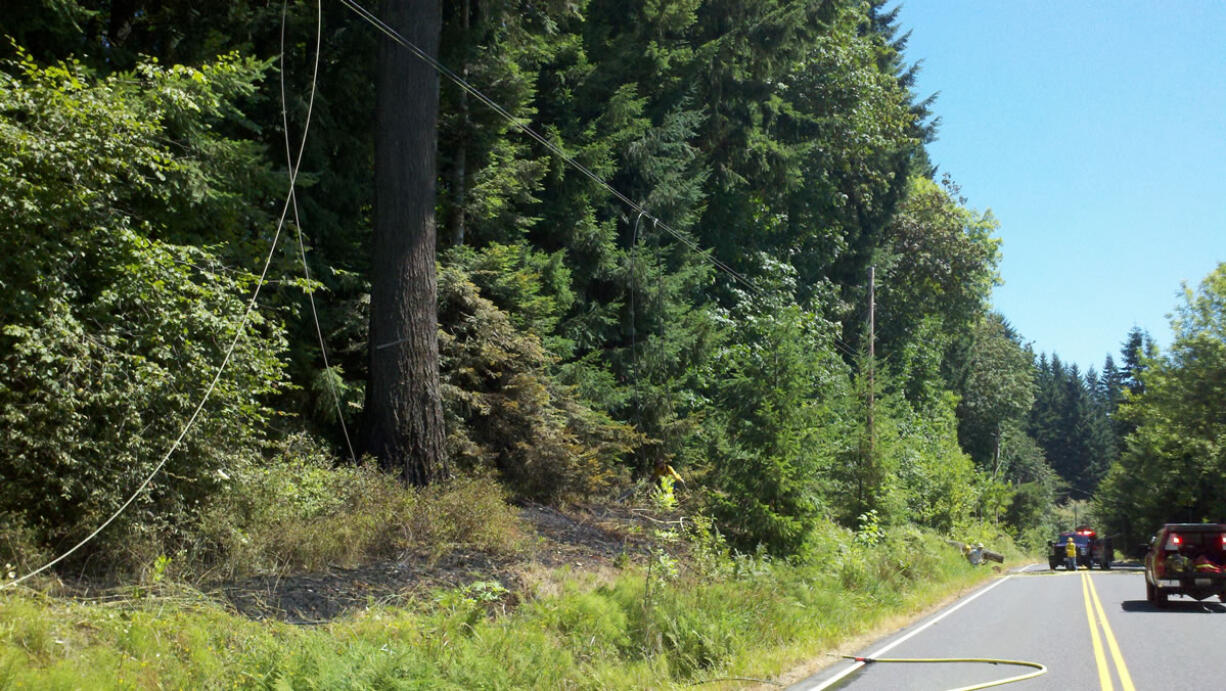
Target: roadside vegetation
x=786 y=474
x=713 y=615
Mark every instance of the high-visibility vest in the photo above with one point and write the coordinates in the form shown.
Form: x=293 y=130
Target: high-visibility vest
x=1070 y=548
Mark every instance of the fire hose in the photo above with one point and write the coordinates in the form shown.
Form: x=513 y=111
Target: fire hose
x=1039 y=668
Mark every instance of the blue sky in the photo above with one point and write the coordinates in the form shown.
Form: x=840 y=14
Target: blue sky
x=1096 y=133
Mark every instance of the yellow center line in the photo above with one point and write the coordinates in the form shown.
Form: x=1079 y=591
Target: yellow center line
x=1120 y=667
x=1104 y=672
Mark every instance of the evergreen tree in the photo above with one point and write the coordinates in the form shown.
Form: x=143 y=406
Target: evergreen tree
x=1071 y=421
x=997 y=387
x=1112 y=385
x=1136 y=347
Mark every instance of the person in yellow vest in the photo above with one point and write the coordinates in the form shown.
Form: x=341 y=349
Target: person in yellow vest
x=665 y=475
x=1070 y=554
x=665 y=480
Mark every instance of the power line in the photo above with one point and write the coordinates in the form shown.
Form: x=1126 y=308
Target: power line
x=560 y=153
x=544 y=141
x=238 y=334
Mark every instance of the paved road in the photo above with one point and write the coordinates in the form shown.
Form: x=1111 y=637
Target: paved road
x=1047 y=617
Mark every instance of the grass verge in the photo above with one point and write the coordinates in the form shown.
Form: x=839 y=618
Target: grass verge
x=659 y=626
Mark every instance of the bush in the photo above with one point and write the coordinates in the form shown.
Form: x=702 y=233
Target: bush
x=114 y=324
x=778 y=386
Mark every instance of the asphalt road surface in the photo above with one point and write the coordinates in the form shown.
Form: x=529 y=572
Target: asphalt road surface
x=1091 y=629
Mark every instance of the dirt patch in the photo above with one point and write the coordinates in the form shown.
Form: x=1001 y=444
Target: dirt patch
x=580 y=539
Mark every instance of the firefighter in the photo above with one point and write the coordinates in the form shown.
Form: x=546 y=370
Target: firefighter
x=663 y=474
x=1070 y=554
x=665 y=479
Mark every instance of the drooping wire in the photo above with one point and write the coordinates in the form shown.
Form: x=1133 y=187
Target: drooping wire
x=662 y=317
x=306 y=270
x=238 y=334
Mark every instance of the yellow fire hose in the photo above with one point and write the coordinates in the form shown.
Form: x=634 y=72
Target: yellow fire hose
x=1040 y=669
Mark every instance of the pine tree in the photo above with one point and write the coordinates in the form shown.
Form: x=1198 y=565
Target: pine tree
x=1136 y=347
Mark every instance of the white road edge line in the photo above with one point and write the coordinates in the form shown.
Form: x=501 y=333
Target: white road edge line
x=857 y=665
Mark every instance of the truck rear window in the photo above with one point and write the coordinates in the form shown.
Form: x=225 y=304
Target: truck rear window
x=1199 y=541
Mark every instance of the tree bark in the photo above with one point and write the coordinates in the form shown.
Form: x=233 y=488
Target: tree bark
x=404 y=415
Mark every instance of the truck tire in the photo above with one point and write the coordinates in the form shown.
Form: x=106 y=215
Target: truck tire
x=1052 y=563
x=1106 y=565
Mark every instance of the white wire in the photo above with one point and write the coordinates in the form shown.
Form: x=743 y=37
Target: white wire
x=221 y=369
x=306 y=270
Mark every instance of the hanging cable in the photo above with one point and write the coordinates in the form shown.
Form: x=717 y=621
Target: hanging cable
x=306 y=270
x=634 y=353
x=238 y=334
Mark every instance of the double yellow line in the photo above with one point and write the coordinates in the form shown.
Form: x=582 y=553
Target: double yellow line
x=1095 y=608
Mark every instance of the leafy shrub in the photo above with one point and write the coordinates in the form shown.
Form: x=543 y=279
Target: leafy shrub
x=777 y=387
x=20 y=550
x=112 y=332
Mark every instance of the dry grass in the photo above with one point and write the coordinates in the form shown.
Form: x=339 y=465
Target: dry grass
x=300 y=516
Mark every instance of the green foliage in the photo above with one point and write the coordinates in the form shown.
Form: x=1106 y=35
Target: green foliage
x=112 y=333
x=581 y=344
x=757 y=621
x=936 y=479
x=1031 y=515
x=935 y=273
x=997 y=387
x=1173 y=467
x=1072 y=421
x=774 y=387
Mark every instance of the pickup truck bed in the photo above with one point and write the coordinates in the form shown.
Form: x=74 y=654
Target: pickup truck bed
x=1186 y=559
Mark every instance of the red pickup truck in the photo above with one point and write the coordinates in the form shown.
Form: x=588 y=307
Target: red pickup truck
x=1186 y=559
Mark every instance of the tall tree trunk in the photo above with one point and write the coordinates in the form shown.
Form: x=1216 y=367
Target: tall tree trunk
x=404 y=414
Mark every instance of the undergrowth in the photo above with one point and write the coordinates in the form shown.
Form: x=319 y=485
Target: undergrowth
x=715 y=615
x=299 y=512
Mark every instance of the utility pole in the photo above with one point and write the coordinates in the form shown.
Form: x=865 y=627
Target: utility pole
x=872 y=364
x=869 y=485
